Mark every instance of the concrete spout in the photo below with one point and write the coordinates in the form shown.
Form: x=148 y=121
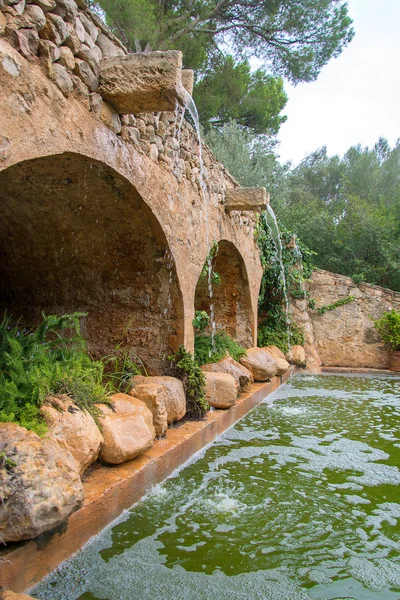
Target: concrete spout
x=142 y=82
x=249 y=199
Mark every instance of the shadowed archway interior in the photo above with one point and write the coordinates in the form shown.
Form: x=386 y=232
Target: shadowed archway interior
x=231 y=297
x=76 y=236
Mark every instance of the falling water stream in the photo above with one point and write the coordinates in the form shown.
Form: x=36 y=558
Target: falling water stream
x=299 y=500
x=192 y=108
x=276 y=236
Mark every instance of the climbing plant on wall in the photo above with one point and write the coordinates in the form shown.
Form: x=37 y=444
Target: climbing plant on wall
x=274 y=325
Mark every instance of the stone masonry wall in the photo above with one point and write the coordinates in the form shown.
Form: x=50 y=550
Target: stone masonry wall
x=65 y=152
x=345 y=336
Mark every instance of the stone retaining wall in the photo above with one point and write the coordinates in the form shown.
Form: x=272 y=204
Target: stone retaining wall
x=345 y=336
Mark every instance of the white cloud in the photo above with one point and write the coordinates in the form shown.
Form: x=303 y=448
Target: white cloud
x=356 y=98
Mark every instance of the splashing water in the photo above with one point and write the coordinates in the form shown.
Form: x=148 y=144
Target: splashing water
x=298 y=501
x=192 y=108
x=277 y=241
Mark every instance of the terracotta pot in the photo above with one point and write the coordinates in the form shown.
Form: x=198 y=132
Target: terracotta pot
x=395 y=360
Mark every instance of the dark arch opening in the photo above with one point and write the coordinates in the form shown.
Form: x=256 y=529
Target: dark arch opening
x=76 y=236
x=231 y=297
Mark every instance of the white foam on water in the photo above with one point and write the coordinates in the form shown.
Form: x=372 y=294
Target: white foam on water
x=313 y=520
x=224 y=503
x=140 y=572
x=388 y=512
x=375 y=574
x=293 y=410
x=318 y=576
x=354 y=499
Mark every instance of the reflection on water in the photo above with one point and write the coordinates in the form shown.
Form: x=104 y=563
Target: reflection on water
x=299 y=500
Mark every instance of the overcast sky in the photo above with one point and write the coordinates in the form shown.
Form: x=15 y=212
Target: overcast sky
x=356 y=98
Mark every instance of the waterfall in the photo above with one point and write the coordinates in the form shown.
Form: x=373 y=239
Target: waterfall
x=192 y=108
x=279 y=249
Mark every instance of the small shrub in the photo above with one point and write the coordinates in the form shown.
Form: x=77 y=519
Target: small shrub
x=205 y=353
x=389 y=328
x=51 y=359
x=188 y=371
x=119 y=368
x=201 y=320
x=277 y=335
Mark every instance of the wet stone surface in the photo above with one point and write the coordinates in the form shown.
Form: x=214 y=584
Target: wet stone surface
x=299 y=500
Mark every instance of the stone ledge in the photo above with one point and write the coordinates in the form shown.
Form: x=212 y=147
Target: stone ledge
x=109 y=491
x=359 y=370
x=247 y=199
x=142 y=82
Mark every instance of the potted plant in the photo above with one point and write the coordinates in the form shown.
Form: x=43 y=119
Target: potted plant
x=389 y=328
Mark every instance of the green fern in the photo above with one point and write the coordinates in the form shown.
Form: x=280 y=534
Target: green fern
x=51 y=359
x=205 y=352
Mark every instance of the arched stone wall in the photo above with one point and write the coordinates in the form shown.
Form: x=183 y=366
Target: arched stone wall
x=231 y=297
x=76 y=236
x=37 y=120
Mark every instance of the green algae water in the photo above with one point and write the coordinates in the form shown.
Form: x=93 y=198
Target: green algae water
x=299 y=500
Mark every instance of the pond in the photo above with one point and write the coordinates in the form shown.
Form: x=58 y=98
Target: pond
x=299 y=500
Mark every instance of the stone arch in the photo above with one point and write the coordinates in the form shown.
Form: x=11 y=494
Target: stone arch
x=231 y=297
x=75 y=235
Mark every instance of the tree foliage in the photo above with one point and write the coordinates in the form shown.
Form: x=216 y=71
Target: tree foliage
x=346 y=209
x=231 y=91
x=295 y=39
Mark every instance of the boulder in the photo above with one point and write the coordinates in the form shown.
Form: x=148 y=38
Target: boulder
x=45 y=5
x=260 y=362
x=220 y=389
x=61 y=77
x=275 y=352
x=175 y=401
x=154 y=397
x=54 y=30
x=297 y=356
x=110 y=117
x=49 y=50
x=36 y=15
x=9 y=595
x=242 y=376
x=107 y=47
x=281 y=361
x=85 y=74
x=67 y=59
x=40 y=484
x=127 y=429
x=72 y=42
x=282 y=365
x=66 y=9
x=74 y=429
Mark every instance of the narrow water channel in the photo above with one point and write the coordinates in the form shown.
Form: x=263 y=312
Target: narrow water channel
x=301 y=499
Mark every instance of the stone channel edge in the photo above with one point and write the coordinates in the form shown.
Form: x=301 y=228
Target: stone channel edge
x=110 y=490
